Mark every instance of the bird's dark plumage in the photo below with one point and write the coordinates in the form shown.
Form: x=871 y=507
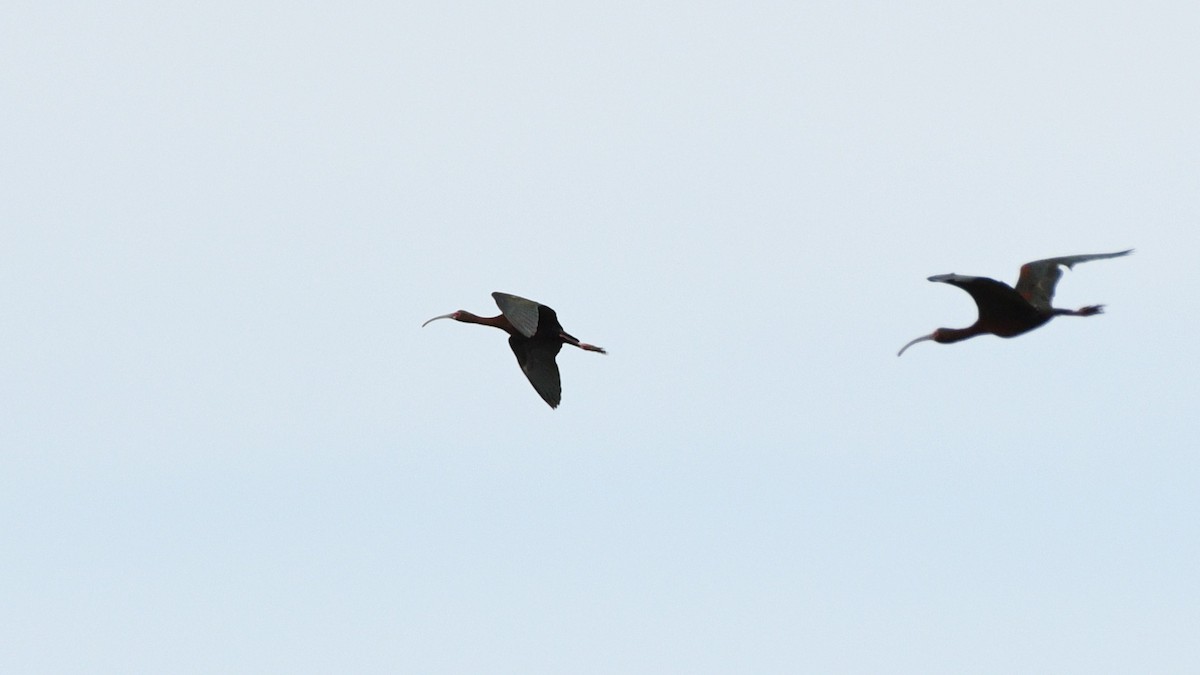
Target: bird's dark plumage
x=999 y=304
x=524 y=315
x=1006 y=311
x=536 y=359
x=535 y=337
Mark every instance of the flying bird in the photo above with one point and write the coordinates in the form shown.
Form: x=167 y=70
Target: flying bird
x=535 y=336
x=1006 y=311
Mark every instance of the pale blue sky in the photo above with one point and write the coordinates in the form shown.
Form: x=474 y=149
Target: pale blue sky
x=228 y=446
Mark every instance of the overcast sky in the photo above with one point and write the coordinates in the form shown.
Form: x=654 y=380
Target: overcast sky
x=227 y=445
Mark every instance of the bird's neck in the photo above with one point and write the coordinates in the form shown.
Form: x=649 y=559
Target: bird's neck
x=500 y=321
x=949 y=335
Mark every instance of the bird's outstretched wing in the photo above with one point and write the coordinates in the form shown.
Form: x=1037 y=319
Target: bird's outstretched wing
x=998 y=303
x=1038 y=278
x=536 y=358
x=521 y=313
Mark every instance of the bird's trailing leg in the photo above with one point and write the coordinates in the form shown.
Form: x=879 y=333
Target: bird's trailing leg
x=572 y=340
x=1090 y=310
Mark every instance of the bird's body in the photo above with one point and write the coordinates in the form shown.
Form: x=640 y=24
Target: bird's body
x=535 y=336
x=1007 y=311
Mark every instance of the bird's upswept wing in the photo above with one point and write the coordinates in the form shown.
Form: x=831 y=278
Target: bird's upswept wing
x=998 y=303
x=1038 y=278
x=521 y=313
x=536 y=358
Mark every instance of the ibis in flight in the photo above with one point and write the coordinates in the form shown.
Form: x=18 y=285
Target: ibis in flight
x=1008 y=311
x=535 y=337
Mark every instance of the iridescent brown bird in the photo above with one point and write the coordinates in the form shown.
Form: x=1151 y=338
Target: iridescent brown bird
x=1006 y=311
x=535 y=336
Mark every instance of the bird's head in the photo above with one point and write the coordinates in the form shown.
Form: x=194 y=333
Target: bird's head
x=946 y=336
x=942 y=335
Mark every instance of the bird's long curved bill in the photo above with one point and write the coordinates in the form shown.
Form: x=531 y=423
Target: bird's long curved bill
x=920 y=339
x=444 y=316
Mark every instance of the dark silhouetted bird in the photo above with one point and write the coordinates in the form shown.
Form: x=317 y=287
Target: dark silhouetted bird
x=535 y=337
x=1008 y=311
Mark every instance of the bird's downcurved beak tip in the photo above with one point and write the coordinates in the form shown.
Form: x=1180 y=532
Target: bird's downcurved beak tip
x=913 y=342
x=443 y=316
